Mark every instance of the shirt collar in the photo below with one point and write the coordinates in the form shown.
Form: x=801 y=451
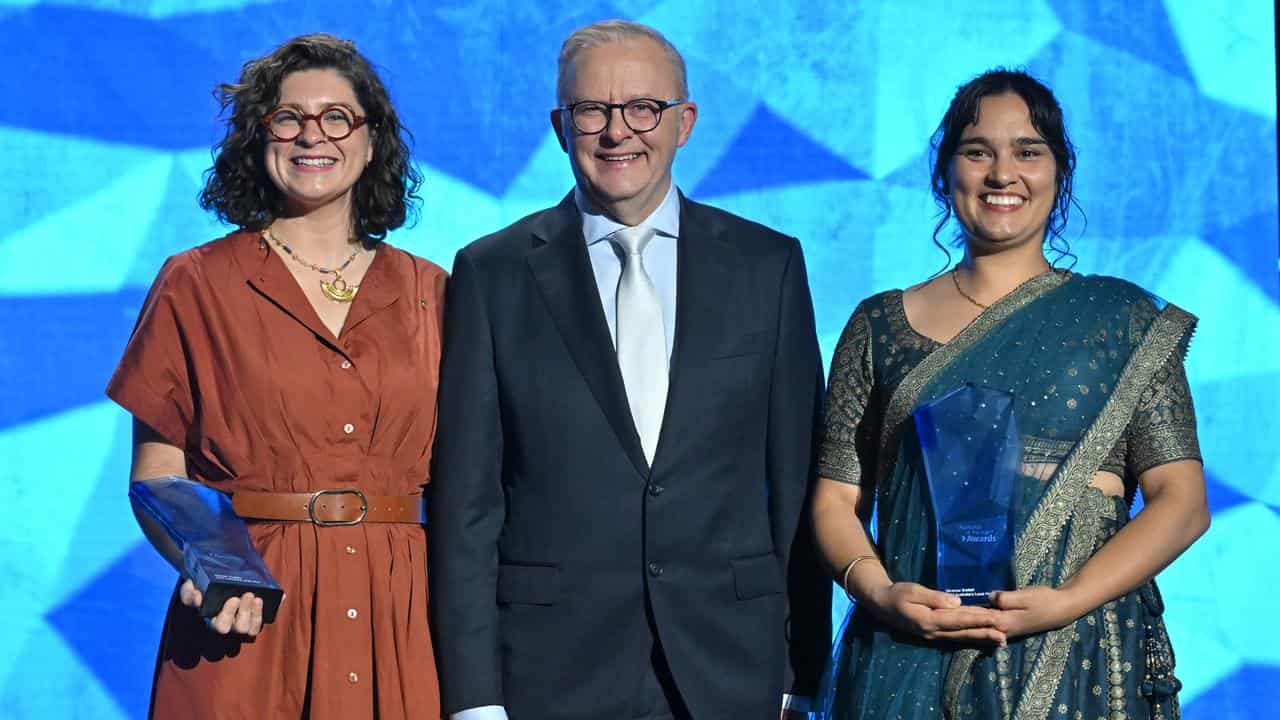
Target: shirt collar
x=596 y=226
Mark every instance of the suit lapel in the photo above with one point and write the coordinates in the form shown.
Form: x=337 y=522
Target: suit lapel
x=563 y=274
x=704 y=278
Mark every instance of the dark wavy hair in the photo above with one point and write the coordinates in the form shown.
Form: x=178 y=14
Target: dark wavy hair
x=1046 y=117
x=237 y=188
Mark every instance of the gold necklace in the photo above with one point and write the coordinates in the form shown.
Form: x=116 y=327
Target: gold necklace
x=956 y=281
x=339 y=290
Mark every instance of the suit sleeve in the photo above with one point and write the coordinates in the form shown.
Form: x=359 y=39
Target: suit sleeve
x=467 y=507
x=795 y=414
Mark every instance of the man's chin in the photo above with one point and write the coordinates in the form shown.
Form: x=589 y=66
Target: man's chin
x=609 y=196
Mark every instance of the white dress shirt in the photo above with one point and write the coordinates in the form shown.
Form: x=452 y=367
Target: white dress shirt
x=659 y=258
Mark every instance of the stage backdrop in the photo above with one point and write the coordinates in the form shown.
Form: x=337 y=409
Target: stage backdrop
x=815 y=119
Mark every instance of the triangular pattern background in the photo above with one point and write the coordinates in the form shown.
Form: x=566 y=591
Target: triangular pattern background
x=814 y=118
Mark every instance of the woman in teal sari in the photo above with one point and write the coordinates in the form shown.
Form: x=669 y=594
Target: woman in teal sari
x=1094 y=365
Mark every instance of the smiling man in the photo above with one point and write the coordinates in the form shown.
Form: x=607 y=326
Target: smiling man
x=628 y=402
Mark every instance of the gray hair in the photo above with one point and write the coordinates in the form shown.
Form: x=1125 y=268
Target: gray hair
x=615 y=31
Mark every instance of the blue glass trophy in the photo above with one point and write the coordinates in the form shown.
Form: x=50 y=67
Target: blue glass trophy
x=217 y=554
x=972 y=451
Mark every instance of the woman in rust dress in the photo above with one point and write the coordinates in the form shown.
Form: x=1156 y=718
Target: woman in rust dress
x=299 y=355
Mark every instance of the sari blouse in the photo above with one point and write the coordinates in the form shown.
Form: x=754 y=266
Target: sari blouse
x=1069 y=348
x=878 y=347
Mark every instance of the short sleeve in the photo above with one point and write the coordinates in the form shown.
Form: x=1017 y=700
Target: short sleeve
x=1163 y=428
x=848 y=394
x=152 y=380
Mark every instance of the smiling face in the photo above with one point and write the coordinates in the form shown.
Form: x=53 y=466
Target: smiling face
x=624 y=173
x=313 y=171
x=1003 y=177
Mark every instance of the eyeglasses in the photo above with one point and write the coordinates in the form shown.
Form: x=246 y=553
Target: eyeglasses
x=591 y=117
x=285 y=124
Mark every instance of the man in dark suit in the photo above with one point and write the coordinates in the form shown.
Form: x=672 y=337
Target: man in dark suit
x=628 y=401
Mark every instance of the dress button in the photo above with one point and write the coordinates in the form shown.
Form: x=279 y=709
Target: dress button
x=656 y=490
x=655 y=569
x=351 y=613
x=353 y=678
x=351 y=550
x=348 y=428
x=346 y=364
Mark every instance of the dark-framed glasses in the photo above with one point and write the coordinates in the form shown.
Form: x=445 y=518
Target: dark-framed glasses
x=591 y=117
x=286 y=123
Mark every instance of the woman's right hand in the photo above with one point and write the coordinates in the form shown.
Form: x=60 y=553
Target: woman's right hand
x=242 y=614
x=935 y=615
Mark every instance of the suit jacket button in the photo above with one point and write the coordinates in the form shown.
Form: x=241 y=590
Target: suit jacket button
x=656 y=490
x=655 y=569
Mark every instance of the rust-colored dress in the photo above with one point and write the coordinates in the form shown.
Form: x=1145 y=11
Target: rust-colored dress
x=231 y=363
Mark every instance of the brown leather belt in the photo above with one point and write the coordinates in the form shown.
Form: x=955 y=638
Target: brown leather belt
x=341 y=506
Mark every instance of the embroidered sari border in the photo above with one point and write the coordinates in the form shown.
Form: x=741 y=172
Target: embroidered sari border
x=1049 y=518
x=907 y=394
x=1163 y=338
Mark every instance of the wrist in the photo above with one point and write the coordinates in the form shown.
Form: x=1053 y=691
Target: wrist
x=875 y=595
x=1073 y=602
x=848 y=575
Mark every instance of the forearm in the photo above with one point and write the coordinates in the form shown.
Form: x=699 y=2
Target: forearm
x=842 y=536
x=158 y=538
x=1170 y=521
x=154 y=458
x=906 y=606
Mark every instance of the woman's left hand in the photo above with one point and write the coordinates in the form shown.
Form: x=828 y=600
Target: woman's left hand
x=1033 y=609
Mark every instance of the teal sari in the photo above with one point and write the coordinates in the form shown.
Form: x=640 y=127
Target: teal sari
x=1095 y=366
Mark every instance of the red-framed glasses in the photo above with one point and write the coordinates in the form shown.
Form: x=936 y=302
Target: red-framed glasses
x=286 y=123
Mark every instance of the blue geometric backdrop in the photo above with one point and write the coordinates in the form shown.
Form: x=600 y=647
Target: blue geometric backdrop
x=815 y=118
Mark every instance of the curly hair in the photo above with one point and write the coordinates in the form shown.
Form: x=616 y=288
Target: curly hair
x=237 y=188
x=1046 y=118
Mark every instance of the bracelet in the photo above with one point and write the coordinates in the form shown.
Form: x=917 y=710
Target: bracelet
x=844 y=577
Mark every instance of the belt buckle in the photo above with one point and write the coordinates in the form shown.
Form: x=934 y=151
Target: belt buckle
x=311 y=507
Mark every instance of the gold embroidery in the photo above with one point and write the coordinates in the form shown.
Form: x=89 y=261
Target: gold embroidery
x=847 y=397
x=1115 y=674
x=839 y=462
x=1044 y=450
x=1165 y=336
x=907 y=394
x=1047 y=521
x=1082 y=537
x=1042 y=682
x=957 y=675
x=1005 y=682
